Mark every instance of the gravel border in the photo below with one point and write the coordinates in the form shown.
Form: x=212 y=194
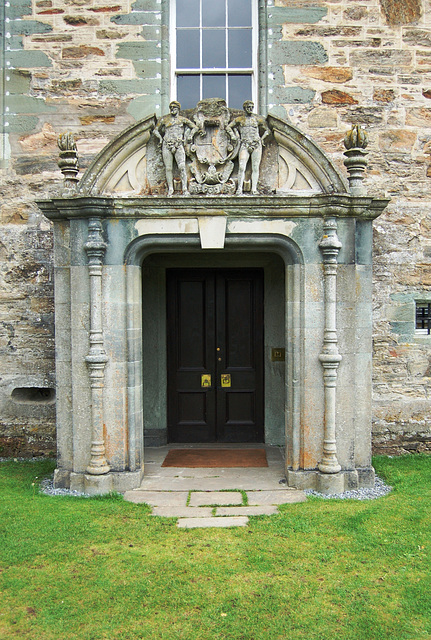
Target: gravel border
x=47 y=487
x=379 y=490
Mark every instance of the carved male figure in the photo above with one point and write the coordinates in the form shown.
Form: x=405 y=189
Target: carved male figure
x=248 y=128
x=173 y=131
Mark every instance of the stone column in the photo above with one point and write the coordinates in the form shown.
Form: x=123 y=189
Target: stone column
x=96 y=359
x=330 y=358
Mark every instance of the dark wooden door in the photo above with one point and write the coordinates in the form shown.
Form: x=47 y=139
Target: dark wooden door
x=215 y=355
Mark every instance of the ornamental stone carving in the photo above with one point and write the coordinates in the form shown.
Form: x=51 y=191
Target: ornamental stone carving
x=211 y=145
x=212 y=154
x=172 y=132
x=247 y=129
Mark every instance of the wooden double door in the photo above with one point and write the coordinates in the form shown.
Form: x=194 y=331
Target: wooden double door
x=215 y=355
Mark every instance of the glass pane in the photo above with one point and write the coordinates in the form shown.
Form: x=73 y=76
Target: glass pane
x=187 y=13
x=213 y=13
x=188 y=94
x=239 y=90
x=213 y=48
x=239 y=13
x=240 y=48
x=214 y=87
x=187 y=49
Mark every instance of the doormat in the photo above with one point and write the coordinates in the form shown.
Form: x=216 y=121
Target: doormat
x=214 y=458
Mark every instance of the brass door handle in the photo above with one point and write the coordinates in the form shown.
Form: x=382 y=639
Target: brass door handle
x=206 y=380
x=226 y=380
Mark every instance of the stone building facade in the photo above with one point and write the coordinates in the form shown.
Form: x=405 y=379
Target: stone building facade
x=96 y=68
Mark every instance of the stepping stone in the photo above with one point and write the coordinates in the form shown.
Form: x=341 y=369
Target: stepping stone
x=264 y=510
x=284 y=496
x=183 y=512
x=158 y=498
x=202 y=498
x=194 y=523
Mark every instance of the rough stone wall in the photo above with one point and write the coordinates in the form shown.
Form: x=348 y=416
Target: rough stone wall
x=94 y=67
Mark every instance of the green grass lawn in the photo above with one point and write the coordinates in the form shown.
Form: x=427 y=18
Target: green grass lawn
x=102 y=568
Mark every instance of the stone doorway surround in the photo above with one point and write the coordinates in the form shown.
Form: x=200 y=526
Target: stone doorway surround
x=107 y=226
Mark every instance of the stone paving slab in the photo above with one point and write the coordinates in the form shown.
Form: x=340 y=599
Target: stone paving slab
x=183 y=512
x=158 y=498
x=194 y=523
x=231 y=481
x=284 y=496
x=202 y=498
x=264 y=510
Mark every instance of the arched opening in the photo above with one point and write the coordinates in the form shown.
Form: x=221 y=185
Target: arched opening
x=150 y=259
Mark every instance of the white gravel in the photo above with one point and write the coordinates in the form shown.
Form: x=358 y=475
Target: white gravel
x=379 y=490
x=47 y=486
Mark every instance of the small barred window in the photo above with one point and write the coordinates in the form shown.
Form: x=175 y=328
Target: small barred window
x=423 y=318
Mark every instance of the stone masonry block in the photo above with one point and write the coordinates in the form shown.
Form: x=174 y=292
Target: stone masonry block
x=28 y=27
x=22 y=124
x=148 y=68
x=15 y=42
x=18 y=9
x=293 y=95
x=138 y=17
x=299 y=53
x=297 y=15
x=140 y=51
x=28 y=59
x=123 y=87
x=27 y=104
x=19 y=81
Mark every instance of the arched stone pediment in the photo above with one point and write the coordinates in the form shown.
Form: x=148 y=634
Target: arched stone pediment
x=132 y=163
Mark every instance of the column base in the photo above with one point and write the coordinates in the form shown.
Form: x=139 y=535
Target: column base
x=97 y=485
x=328 y=483
x=119 y=481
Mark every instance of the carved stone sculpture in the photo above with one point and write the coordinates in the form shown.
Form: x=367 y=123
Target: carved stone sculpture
x=212 y=154
x=247 y=128
x=173 y=131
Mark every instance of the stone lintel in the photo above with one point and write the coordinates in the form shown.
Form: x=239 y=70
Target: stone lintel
x=319 y=205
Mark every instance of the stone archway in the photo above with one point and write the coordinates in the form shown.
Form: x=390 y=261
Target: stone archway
x=118 y=216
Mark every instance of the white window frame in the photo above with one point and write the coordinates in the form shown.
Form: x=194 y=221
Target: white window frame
x=252 y=71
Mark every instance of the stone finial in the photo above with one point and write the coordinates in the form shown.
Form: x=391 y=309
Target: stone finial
x=355 y=142
x=356 y=138
x=68 y=160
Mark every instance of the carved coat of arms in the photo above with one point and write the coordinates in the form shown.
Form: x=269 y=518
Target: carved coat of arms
x=212 y=152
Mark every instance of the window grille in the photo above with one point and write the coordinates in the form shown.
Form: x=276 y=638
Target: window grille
x=423 y=318
x=214 y=44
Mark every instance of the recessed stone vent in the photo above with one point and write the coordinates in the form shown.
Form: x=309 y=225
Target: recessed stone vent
x=34 y=395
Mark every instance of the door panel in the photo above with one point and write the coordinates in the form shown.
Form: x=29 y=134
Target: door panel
x=215 y=328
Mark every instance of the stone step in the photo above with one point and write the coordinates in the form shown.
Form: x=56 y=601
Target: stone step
x=158 y=498
x=183 y=512
x=283 y=496
x=194 y=523
x=264 y=510
x=203 y=498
